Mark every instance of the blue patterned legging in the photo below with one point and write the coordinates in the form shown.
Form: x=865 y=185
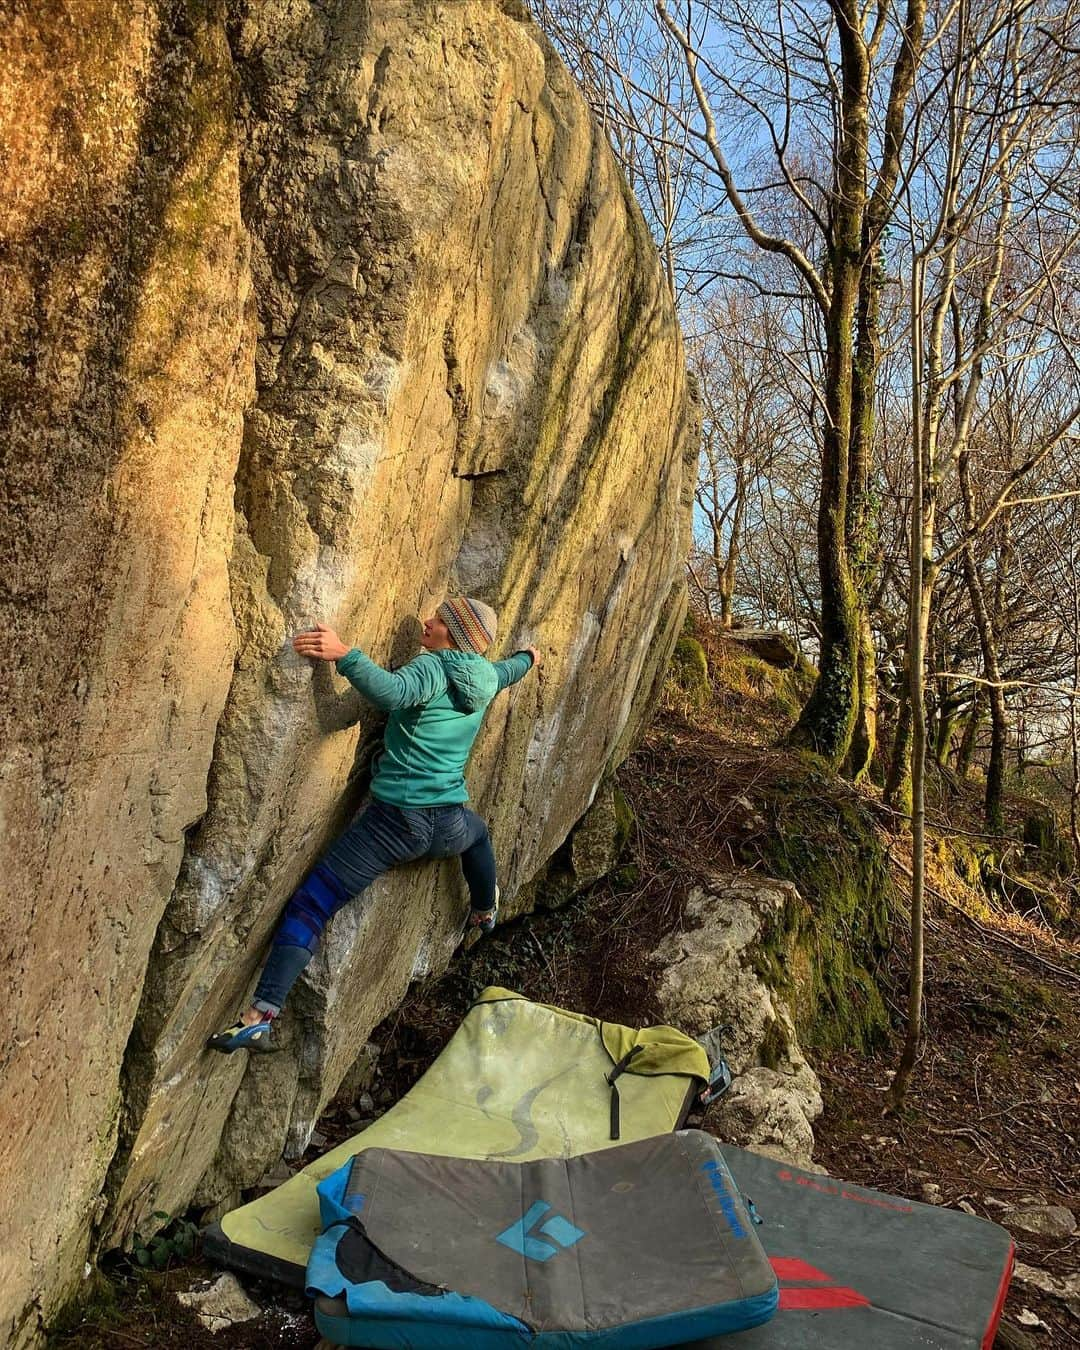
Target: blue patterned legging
x=381 y=836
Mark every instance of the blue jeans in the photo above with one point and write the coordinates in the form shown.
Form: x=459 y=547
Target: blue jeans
x=380 y=837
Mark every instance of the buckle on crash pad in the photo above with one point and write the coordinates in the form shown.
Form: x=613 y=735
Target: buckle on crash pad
x=718 y=1084
x=720 y=1076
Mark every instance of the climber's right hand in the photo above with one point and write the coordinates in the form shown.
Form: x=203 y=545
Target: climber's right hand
x=320 y=643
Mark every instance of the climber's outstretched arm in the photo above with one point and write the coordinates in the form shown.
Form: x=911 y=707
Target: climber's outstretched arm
x=418 y=682
x=515 y=667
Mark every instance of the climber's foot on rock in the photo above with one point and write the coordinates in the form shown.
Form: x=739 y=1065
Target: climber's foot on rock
x=243 y=1035
x=484 y=919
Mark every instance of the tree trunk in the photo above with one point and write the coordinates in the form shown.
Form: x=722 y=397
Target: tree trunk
x=864 y=732
x=999 y=721
x=828 y=720
x=727 y=574
x=1074 y=795
x=971 y=732
x=948 y=713
x=1074 y=720
x=920 y=589
x=898 y=782
x=993 y=808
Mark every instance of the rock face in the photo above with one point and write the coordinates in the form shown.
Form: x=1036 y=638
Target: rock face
x=1066 y=1287
x=711 y=974
x=311 y=315
x=125 y=363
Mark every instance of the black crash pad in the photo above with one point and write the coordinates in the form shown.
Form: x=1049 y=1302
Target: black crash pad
x=862 y=1270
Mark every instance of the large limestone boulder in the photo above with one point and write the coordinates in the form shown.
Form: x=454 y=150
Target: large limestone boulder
x=467 y=375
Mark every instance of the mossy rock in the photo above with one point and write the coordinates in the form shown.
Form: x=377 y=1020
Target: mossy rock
x=591 y=851
x=690 y=666
x=775 y=1047
x=1047 y=842
x=825 y=955
x=625 y=820
x=974 y=863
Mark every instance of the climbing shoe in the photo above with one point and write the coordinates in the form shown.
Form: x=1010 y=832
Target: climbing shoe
x=484 y=919
x=241 y=1036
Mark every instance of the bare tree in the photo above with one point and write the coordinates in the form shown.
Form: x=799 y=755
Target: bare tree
x=748 y=424
x=979 y=189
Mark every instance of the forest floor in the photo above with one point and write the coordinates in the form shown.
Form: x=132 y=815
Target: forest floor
x=992 y=1114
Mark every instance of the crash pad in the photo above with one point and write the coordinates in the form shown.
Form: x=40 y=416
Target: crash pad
x=861 y=1268
x=638 y=1246
x=518 y=1080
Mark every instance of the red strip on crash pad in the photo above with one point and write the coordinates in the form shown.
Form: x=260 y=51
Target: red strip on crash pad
x=791 y=1268
x=834 y=1296
x=898 y=1273
x=999 y=1304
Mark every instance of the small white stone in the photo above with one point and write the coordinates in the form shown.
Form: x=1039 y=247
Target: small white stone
x=1027 y=1318
x=222 y=1305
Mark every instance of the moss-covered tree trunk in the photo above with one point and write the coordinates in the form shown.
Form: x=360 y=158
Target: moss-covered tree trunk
x=969 y=738
x=898 y=780
x=828 y=720
x=840 y=718
x=861 y=527
x=948 y=713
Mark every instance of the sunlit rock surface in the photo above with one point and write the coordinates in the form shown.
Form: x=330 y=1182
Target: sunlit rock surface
x=311 y=312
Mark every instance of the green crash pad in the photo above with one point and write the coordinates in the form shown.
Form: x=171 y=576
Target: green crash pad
x=517 y=1081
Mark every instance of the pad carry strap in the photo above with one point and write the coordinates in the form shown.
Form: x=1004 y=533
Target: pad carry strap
x=619 y=1068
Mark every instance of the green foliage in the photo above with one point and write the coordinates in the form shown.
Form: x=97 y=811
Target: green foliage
x=175 y=1242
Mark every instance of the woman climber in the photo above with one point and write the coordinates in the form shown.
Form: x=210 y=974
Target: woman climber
x=436 y=704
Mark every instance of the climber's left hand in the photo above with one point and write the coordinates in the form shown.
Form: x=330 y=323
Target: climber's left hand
x=321 y=643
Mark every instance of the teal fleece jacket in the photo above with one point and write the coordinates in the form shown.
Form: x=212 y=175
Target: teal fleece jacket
x=436 y=704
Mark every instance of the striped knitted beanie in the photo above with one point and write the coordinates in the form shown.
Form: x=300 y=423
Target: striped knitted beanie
x=472 y=624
